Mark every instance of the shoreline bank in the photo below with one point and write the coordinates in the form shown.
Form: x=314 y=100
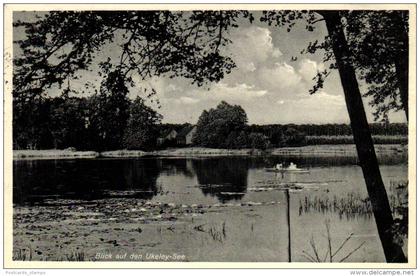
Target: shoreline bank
x=317 y=150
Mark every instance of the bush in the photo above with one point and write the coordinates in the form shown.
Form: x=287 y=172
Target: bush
x=293 y=137
x=258 y=141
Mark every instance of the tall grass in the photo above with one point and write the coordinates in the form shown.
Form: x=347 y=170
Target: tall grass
x=349 y=206
x=216 y=233
x=77 y=256
x=22 y=254
x=26 y=254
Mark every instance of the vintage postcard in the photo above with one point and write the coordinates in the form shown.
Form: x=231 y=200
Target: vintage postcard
x=192 y=135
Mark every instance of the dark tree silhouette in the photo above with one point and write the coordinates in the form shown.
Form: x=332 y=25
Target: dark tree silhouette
x=336 y=47
x=363 y=139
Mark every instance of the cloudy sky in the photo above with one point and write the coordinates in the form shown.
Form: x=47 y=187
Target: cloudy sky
x=266 y=82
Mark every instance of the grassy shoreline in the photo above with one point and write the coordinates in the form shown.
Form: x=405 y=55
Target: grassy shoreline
x=53 y=154
x=313 y=150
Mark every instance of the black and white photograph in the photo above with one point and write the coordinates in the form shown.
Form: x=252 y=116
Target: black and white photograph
x=210 y=133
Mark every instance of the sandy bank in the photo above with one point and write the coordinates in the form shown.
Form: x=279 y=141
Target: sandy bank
x=53 y=154
x=198 y=151
x=123 y=153
x=318 y=150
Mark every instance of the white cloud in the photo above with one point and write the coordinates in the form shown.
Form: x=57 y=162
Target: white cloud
x=269 y=87
x=262 y=65
x=188 y=100
x=330 y=99
x=276 y=53
x=321 y=100
x=242 y=92
x=279 y=77
x=252 y=45
x=308 y=69
x=250 y=67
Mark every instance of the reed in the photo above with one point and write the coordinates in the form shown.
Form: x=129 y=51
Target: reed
x=22 y=254
x=330 y=255
x=349 y=206
x=75 y=256
x=216 y=233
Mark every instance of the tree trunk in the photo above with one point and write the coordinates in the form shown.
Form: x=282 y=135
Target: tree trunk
x=363 y=139
x=401 y=68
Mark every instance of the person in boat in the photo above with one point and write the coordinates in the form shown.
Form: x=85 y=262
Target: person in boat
x=292 y=166
x=279 y=167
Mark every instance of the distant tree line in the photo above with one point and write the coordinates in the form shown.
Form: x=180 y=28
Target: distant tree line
x=110 y=120
x=333 y=129
x=78 y=123
x=226 y=127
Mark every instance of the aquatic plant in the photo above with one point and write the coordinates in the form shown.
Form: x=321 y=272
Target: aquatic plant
x=352 y=205
x=398 y=200
x=22 y=254
x=329 y=254
x=216 y=234
x=76 y=256
x=349 y=206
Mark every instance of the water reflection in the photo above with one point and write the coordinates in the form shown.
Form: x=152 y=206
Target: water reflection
x=176 y=166
x=140 y=178
x=224 y=178
x=35 y=181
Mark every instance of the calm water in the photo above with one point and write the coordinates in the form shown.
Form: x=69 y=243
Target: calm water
x=257 y=233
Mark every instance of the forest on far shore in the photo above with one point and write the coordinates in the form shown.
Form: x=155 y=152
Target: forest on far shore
x=110 y=121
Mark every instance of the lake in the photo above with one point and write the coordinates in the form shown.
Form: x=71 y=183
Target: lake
x=196 y=209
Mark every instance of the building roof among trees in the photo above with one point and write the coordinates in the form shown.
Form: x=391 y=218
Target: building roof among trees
x=184 y=131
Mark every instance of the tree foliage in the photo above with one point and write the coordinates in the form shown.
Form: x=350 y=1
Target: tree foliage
x=186 y=44
x=379 y=45
x=111 y=111
x=55 y=123
x=142 y=126
x=64 y=122
x=258 y=141
x=215 y=125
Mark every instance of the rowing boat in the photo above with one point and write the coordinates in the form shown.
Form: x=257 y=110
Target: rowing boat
x=287 y=170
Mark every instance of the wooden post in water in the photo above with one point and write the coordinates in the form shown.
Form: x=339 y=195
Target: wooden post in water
x=289 y=245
